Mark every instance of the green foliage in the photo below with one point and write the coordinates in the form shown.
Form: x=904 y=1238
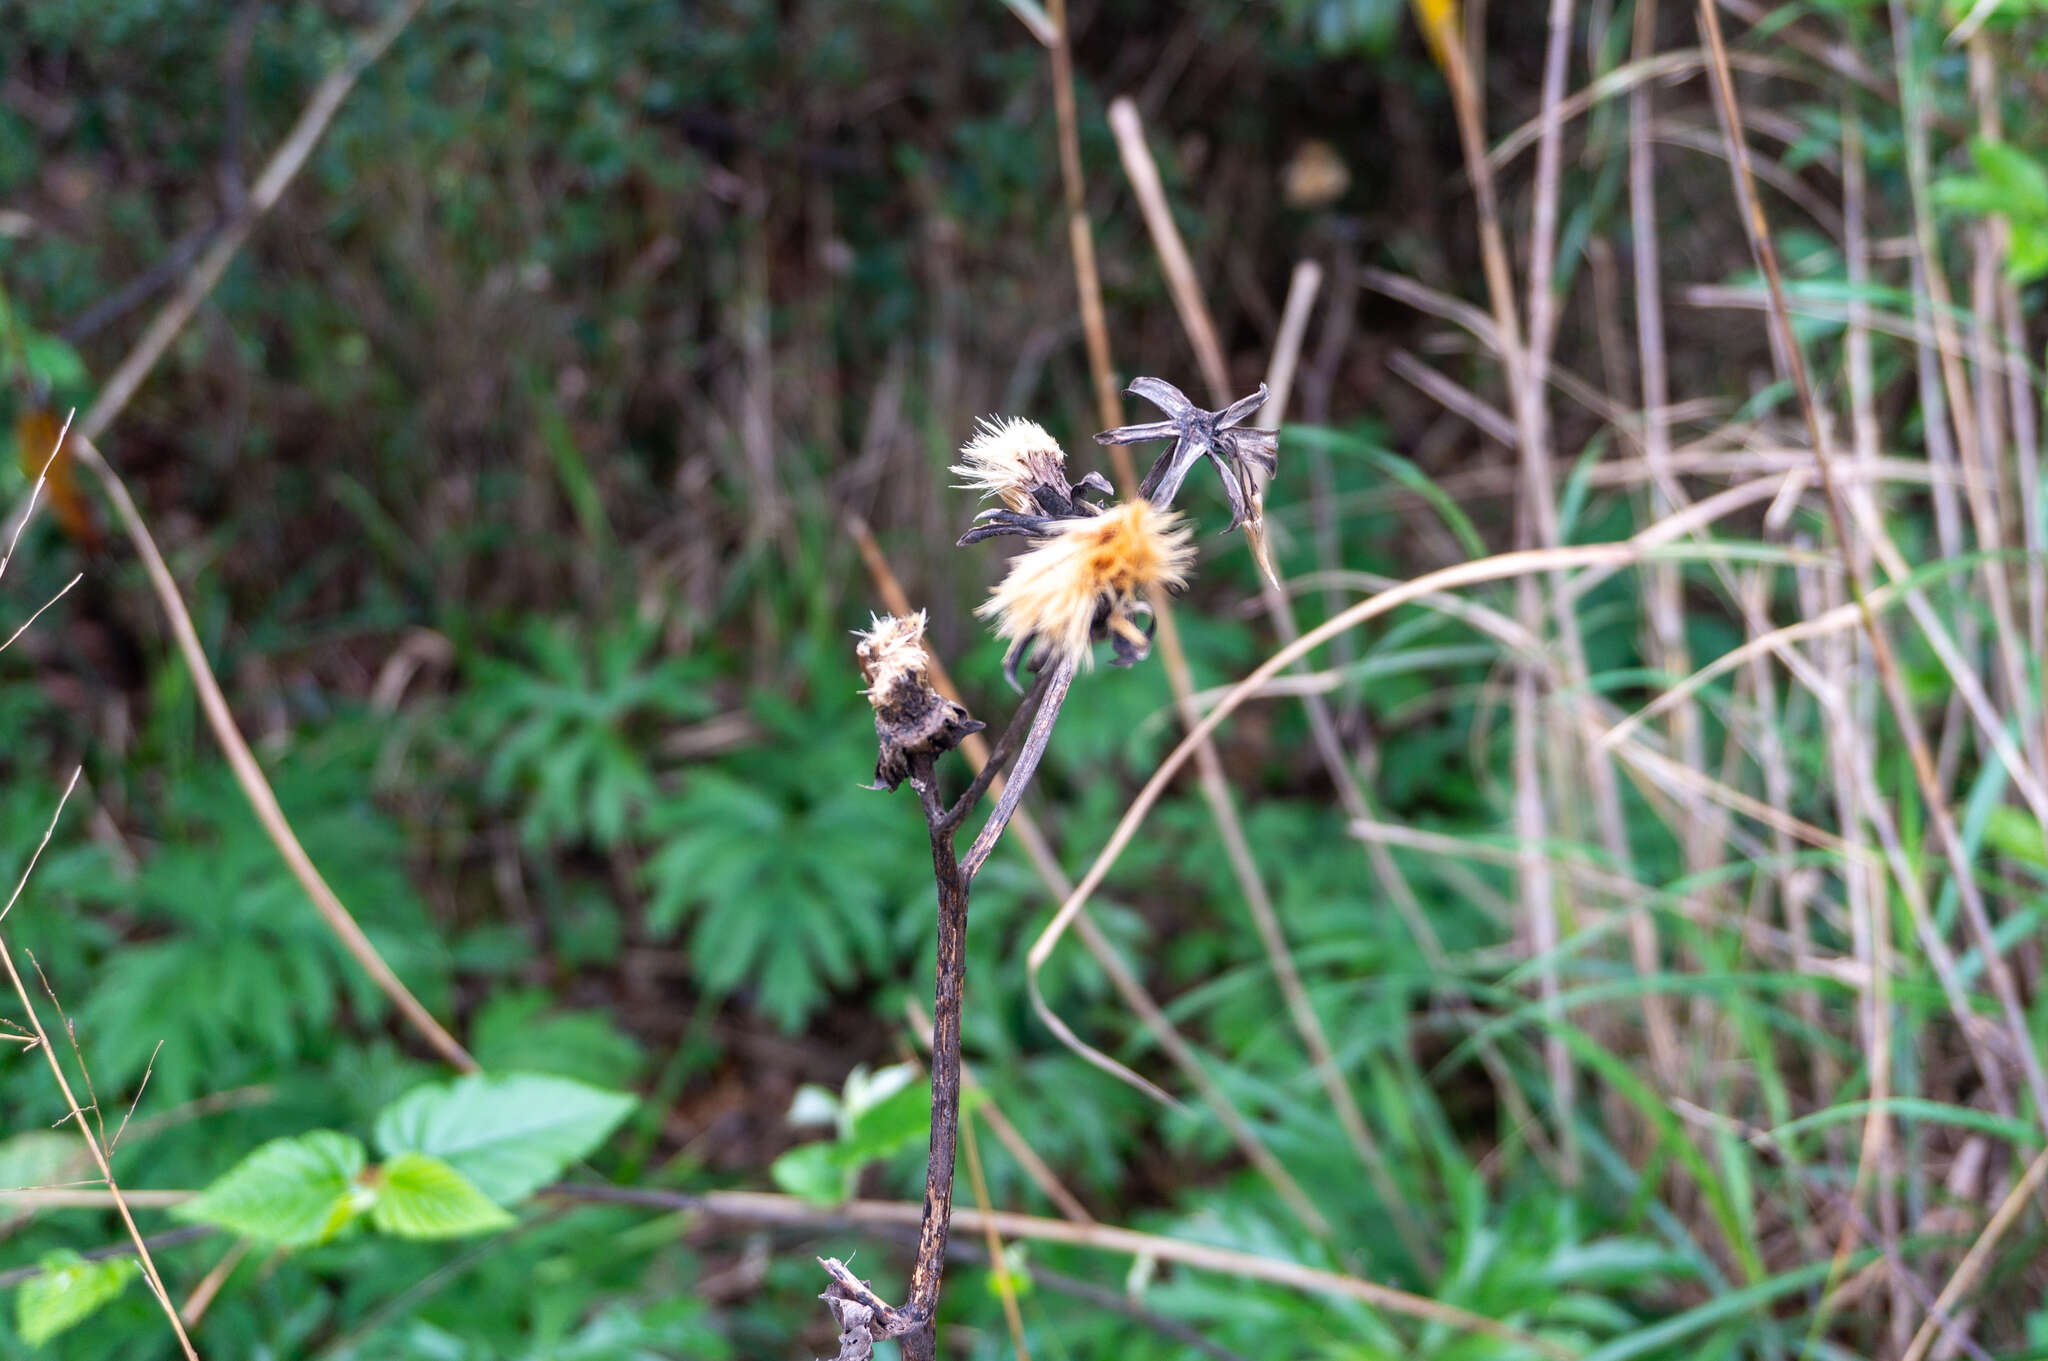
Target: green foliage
x=567 y=734
x=423 y=1197
x=874 y=1117
x=2011 y=184
x=66 y=1292
x=521 y=1029
x=221 y=906
x=508 y=1134
x=290 y=1193
x=456 y=1155
x=786 y=870
x=470 y=427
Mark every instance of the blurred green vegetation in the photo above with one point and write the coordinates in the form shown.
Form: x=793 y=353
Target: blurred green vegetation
x=507 y=473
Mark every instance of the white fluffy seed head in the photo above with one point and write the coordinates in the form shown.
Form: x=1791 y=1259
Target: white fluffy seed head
x=1053 y=591
x=1009 y=456
x=892 y=648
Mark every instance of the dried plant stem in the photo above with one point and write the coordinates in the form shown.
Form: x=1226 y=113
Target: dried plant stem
x=1088 y=289
x=1947 y=836
x=249 y=775
x=284 y=164
x=1006 y=1133
x=1128 y=986
x=85 y=1129
x=1181 y=282
x=1020 y=775
x=1080 y=236
x=998 y=1263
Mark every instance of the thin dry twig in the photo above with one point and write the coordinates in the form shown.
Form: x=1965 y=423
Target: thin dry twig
x=284 y=164
x=85 y=1129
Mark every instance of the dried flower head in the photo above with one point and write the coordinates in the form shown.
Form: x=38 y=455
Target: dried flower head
x=1087 y=579
x=1011 y=458
x=911 y=718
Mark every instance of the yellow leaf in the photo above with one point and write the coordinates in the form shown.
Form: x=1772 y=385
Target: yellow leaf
x=1440 y=28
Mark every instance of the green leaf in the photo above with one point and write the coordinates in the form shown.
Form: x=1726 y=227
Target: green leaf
x=519 y=1030
x=818 y=1173
x=37 y=1157
x=2014 y=833
x=68 y=1291
x=508 y=1134
x=290 y=1192
x=423 y=1197
x=896 y=1122
x=2019 y=178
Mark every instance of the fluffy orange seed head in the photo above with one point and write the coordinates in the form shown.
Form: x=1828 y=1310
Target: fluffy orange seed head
x=1007 y=457
x=1052 y=592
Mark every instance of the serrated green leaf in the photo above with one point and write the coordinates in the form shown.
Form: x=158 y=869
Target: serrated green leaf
x=509 y=1133
x=423 y=1197
x=290 y=1192
x=66 y=1292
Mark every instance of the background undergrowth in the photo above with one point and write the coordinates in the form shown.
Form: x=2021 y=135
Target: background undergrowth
x=508 y=474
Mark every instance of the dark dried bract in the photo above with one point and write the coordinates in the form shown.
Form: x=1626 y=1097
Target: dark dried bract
x=911 y=718
x=915 y=720
x=1055 y=503
x=1198 y=434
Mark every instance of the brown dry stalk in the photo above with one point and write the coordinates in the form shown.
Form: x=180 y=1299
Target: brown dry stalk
x=764 y=1207
x=1088 y=289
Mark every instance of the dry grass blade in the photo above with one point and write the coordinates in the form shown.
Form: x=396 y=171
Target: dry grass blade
x=763 y=1207
x=1188 y=300
x=1899 y=701
x=1193 y=307
x=1500 y=567
x=1979 y=1256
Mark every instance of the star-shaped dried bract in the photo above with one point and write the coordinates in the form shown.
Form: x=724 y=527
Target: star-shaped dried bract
x=1200 y=434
